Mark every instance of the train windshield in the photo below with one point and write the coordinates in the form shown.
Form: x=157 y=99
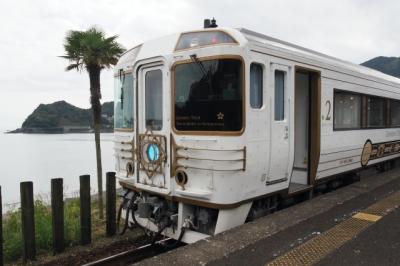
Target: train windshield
x=209 y=95
x=123 y=101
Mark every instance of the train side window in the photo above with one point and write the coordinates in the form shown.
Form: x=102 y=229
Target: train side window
x=394 y=113
x=347 y=110
x=279 y=95
x=375 y=112
x=256 y=86
x=153 y=100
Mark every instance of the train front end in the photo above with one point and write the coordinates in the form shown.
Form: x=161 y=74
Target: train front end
x=180 y=142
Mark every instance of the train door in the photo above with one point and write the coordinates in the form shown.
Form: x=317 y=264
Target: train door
x=301 y=128
x=152 y=127
x=280 y=91
x=306 y=127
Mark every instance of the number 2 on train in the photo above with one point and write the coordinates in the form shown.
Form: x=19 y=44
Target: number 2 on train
x=328 y=114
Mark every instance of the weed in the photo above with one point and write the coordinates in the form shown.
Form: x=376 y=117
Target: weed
x=43 y=228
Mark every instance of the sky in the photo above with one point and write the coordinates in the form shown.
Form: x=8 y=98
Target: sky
x=32 y=35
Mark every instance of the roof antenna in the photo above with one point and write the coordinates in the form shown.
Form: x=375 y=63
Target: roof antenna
x=213 y=23
x=210 y=23
x=207 y=23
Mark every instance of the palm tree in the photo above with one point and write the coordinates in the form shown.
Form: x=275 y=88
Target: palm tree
x=91 y=51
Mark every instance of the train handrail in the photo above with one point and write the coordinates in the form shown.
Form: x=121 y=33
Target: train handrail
x=210 y=169
x=207 y=159
x=205 y=149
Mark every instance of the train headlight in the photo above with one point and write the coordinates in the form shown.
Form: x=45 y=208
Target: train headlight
x=151 y=155
x=153 y=152
x=130 y=169
x=181 y=178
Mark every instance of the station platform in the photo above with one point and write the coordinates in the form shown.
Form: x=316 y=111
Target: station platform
x=355 y=225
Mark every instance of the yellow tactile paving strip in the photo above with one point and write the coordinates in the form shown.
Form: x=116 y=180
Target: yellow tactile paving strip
x=317 y=248
x=367 y=217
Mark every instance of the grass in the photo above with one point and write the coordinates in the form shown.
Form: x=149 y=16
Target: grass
x=43 y=228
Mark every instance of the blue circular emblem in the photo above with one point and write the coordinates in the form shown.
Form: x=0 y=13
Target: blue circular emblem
x=153 y=152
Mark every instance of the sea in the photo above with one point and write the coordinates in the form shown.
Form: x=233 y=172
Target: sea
x=41 y=157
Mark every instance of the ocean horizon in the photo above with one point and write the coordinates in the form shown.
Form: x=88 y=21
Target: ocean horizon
x=41 y=157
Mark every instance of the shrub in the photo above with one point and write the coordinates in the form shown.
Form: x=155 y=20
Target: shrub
x=71 y=222
x=12 y=234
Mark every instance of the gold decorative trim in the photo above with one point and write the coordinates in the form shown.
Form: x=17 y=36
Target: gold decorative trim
x=209 y=169
x=145 y=164
x=366 y=153
x=207 y=159
x=129 y=150
x=372 y=151
x=175 y=157
x=244 y=158
x=210 y=133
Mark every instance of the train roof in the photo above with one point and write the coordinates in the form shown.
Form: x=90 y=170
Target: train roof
x=257 y=40
x=283 y=46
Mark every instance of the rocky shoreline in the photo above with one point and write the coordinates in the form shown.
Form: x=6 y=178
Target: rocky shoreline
x=61 y=117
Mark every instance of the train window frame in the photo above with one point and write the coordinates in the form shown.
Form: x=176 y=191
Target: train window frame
x=155 y=70
x=243 y=91
x=126 y=129
x=387 y=117
x=260 y=100
x=337 y=91
x=284 y=90
x=390 y=111
x=384 y=112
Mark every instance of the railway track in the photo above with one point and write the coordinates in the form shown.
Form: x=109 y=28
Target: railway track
x=136 y=254
x=149 y=250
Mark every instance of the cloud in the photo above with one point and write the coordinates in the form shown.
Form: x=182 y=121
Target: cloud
x=32 y=34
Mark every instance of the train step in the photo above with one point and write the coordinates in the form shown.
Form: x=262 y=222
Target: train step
x=296 y=188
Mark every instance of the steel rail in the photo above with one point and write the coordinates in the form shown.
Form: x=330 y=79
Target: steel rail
x=134 y=255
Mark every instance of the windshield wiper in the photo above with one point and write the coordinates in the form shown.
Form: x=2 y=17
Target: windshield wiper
x=122 y=80
x=122 y=98
x=194 y=59
x=206 y=74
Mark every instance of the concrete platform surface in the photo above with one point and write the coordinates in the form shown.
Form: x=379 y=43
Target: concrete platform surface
x=321 y=230
x=377 y=245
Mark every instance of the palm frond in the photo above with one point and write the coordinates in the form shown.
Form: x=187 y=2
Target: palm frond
x=91 y=47
x=73 y=66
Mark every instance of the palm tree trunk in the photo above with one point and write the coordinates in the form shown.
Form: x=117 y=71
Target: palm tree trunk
x=99 y=170
x=95 y=96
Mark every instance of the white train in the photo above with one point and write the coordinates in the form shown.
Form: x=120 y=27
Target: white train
x=213 y=126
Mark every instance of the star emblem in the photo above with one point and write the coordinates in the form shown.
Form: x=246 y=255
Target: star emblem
x=220 y=116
